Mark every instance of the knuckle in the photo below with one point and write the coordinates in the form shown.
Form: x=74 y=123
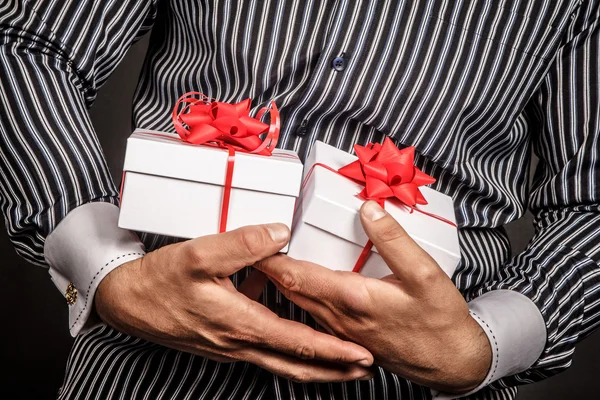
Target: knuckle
x=301 y=376
x=253 y=242
x=339 y=359
x=360 y=298
x=290 y=281
x=194 y=254
x=304 y=352
x=249 y=308
x=426 y=274
x=195 y=258
x=391 y=232
x=246 y=331
x=228 y=340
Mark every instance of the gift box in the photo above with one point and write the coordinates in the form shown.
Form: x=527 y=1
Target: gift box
x=175 y=188
x=327 y=228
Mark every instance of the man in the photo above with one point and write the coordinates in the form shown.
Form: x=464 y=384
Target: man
x=473 y=85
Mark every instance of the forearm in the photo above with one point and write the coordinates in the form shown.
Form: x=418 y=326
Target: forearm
x=53 y=167
x=51 y=160
x=541 y=303
x=559 y=274
x=53 y=58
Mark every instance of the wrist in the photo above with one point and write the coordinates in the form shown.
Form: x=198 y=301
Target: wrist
x=470 y=362
x=116 y=291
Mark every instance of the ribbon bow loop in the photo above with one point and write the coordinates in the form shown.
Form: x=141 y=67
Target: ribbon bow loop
x=229 y=126
x=388 y=172
x=225 y=125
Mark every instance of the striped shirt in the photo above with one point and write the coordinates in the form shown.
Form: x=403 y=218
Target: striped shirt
x=475 y=86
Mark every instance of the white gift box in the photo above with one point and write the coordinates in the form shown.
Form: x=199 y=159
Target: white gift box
x=327 y=228
x=176 y=189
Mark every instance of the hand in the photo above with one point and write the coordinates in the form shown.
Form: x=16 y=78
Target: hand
x=415 y=322
x=180 y=296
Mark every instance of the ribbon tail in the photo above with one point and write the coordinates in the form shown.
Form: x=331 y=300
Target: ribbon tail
x=272 y=138
x=444 y=220
x=362 y=259
x=366 y=251
x=227 y=190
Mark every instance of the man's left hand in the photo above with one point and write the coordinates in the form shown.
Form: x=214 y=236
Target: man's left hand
x=415 y=322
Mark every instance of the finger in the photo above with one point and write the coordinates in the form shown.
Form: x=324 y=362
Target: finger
x=407 y=260
x=307 y=279
x=226 y=253
x=265 y=329
x=315 y=308
x=323 y=326
x=305 y=371
x=253 y=285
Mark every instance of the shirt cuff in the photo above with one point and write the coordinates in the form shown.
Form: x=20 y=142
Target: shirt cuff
x=85 y=246
x=516 y=331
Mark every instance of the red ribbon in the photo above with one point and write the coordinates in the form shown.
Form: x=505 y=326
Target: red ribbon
x=228 y=126
x=387 y=173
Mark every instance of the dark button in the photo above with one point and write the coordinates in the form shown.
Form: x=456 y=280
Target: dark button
x=302 y=129
x=339 y=63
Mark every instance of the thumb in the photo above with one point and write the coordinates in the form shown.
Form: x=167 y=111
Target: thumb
x=407 y=260
x=225 y=253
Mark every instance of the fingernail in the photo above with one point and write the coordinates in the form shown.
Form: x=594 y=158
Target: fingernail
x=364 y=363
x=366 y=377
x=279 y=232
x=373 y=211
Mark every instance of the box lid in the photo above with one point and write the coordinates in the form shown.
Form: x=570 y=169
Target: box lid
x=164 y=154
x=331 y=203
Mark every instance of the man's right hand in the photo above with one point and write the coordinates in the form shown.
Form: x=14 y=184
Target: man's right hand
x=180 y=296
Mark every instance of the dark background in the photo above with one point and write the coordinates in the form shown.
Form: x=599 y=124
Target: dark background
x=34 y=335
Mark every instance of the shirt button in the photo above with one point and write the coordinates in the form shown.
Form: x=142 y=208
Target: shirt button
x=302 y=129
x=339 y=63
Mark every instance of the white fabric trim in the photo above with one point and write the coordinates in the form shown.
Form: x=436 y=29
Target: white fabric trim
x=85 y=246
x=516 y=331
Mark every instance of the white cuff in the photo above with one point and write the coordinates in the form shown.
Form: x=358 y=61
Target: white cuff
x=85 y=246
x=516 y=331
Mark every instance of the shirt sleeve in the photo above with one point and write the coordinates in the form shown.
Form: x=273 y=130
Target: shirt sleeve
x=558 y=272
x=54 y=55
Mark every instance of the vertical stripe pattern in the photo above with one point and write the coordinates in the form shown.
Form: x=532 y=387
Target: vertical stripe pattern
x=475 y=86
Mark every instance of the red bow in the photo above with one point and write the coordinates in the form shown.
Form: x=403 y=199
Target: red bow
x=387 y=172
x=228 y=126
x=225 y=125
